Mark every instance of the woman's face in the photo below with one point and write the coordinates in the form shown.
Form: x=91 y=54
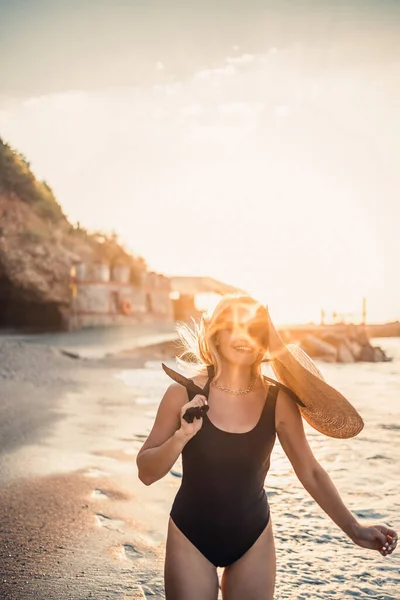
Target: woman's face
x=242 y=336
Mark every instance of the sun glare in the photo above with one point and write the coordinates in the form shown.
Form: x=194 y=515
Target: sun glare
x=206 y=301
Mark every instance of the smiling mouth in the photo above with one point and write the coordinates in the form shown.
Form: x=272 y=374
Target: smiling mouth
x=243 y=349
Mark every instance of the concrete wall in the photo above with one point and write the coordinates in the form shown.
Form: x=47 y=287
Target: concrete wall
x=102 y=296
x=157 y=290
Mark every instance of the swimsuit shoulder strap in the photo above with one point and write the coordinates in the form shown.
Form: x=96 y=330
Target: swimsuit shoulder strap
x=210 y=372
x=272 y=395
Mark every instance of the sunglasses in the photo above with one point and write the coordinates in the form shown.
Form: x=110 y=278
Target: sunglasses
x=256 y=329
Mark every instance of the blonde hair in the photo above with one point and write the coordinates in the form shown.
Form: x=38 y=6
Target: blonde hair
x=198 y=345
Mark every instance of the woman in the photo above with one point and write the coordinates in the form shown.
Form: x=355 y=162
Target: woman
x=220 y=516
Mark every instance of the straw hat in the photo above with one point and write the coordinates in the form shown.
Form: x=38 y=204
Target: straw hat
x=323 y=407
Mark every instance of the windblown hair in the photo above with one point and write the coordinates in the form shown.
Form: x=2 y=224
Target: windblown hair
x=198 y=347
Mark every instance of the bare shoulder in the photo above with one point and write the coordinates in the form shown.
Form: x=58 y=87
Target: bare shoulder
x=175 y=396
x=287 y=413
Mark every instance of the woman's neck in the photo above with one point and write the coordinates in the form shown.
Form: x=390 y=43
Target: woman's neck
x=235 y=377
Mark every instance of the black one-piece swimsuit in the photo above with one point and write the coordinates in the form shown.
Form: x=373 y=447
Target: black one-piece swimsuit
x=221 y=506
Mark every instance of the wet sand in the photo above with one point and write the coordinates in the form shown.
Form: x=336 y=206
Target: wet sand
x=75 y=522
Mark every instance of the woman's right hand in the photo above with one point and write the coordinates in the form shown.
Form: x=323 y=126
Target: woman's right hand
x=188 y=430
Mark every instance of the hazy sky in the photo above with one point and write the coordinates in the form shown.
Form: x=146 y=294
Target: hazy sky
x=256 y=142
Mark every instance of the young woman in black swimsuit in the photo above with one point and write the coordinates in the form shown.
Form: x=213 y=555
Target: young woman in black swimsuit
x=220 y=516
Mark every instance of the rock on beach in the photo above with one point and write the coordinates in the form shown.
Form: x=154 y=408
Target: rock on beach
x=331 y=346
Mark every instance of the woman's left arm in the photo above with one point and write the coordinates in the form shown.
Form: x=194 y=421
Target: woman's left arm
x=316 y=481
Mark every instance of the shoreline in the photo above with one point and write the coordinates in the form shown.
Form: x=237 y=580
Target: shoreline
x=143 y=338
x=96 y=343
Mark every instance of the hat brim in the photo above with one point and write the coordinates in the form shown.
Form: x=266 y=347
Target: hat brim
x=325 y=408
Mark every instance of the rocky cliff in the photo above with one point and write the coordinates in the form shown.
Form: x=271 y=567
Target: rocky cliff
x=38 y=246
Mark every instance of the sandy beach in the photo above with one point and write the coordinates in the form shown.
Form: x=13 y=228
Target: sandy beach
x=76 y=523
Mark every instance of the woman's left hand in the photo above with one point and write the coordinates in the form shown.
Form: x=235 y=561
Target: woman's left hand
x=376 y=537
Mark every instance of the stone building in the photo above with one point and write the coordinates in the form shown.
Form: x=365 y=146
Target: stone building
x=103 y=296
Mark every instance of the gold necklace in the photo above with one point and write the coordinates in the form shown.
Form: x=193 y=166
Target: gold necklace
x=236 y=392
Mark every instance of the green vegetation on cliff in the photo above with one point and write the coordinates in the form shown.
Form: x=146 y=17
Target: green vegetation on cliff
x=17 y=180
x=38 y=246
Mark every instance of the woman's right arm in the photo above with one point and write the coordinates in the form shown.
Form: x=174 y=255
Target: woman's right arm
x=169 y=435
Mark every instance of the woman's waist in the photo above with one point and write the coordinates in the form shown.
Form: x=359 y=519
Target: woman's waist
x=222 y=497
x=218 y=513
x=220 y=482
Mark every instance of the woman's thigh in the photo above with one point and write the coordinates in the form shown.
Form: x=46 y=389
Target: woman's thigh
x=188 y=574
x=253 y=575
